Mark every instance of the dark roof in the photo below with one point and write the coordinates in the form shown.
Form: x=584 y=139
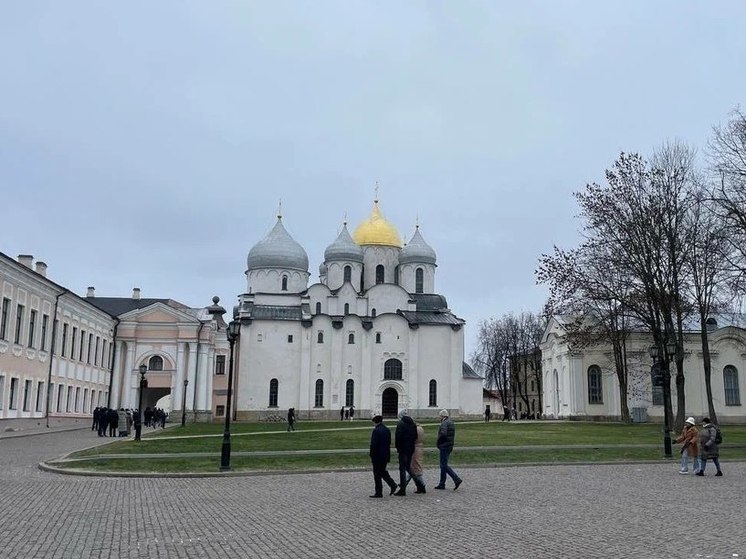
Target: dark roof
x=434 y=317
x=429 y=301
x=276 y=312
x=468 y=372
x=117 y=306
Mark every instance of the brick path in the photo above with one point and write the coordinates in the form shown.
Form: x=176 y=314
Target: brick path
x=620 y=511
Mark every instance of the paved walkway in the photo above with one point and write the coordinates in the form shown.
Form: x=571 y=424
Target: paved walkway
x=619 y=511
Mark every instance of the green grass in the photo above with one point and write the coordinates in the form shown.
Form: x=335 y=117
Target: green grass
x=251 y=437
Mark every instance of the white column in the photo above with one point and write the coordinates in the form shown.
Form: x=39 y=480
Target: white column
x=192 y=372
x=127 y=400
x=116 y=375
x=177 y=387
x=208 y=377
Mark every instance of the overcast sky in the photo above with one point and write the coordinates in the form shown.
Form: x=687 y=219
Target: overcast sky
x=148 y=143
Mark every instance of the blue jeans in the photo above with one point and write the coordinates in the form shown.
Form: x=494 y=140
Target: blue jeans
x=685 y=461
x=445 y=469
x=703 y=463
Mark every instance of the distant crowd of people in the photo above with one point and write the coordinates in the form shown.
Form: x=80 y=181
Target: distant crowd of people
x=347 y=413
x=119 y=423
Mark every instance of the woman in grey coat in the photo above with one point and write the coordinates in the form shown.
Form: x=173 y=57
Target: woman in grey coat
x=708 y=448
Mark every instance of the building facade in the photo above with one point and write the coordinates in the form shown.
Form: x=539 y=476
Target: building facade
x=582 y=383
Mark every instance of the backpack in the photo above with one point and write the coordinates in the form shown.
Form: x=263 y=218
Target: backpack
x=718 y=435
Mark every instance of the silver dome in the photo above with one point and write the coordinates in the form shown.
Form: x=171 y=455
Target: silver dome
x=417 y=251
x=344 y=249
x=277 y=250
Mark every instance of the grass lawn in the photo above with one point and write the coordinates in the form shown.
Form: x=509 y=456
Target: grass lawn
x=252 y=437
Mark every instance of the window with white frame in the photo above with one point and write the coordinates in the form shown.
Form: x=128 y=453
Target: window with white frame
x=730 y=383
x=274 y=386
x=2 y=391
x=595 y=387
x=4 y=318
x=31 y=328
x=13 y=396
x=19 y=323
x=39 y=395
x=318 y=400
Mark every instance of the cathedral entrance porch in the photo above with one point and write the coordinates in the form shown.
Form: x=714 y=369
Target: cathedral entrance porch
x=390 y=403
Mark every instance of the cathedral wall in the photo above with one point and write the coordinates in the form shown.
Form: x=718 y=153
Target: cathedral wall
x=270 y=280
x=373 y=255
x=407 y=277
x=387 y=298
x=335 y=274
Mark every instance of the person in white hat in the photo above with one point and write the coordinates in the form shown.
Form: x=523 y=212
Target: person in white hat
x=688 y=440
x=446 y=437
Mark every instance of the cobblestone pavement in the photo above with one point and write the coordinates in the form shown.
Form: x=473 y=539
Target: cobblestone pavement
x=615 y=511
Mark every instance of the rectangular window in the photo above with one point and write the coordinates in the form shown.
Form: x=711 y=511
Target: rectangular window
x=44 y=324
x=60 y=390
x=31 y=327
x=73 y=339
x=2 y=391
x=27 y=395
x=77 y=400
x=4 y=318
x=13 y=393
x=90 y=346
x=85 y=400
x=81 y=349
x=219 y=411
x=104 y=348
x=220 y=364
x=95 y=355
x=64 y=340
x=730 y=383
x=50 y=395
x=290 y=338
x=19 y=323
x=69 y=399
x=55 y=332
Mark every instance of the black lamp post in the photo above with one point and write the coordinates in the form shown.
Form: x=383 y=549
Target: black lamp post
x=234 y=329
x=183 y=404
x=143 y=384
x=666 y=381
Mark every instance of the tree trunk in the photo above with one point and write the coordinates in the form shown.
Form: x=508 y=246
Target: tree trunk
x=708 y=370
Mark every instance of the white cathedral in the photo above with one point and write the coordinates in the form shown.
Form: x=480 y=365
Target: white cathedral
x=371 y=334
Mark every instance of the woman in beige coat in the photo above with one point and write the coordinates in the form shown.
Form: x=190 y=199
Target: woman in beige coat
x=418 y=458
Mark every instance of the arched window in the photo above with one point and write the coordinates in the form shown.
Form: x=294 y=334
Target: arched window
x=348 y=273
x=419 y=280
x=396 y=275
x=318 y=400
x=284 y=283
x=595 y=388
x=350 y=392
x=433 y=393
x=351 y=338
x=373 y=313
x=318 y=308
x=378 y=337
x=392 y=369
x=379 y=273
x=155 y=363
x=730 y=382
x=320 y=338
x=273 y=389
x=347 y=308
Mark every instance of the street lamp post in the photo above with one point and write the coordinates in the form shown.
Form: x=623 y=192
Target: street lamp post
x=234 y=329
x=666 y=380
x=183 y=404
x=138 y=419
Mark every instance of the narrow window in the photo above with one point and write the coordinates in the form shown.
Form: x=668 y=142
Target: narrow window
x=378 y=337
x=81 y=353
x=347 y=308
x=433 y=393
x=90 y=347
x=318 y=400
x=13 y=393
x=396 y=275
x=273 y=389
x=95 y=355
x=19 y=323
x=77 y=400
x=379 y=273
x=44 y=324
x=39 y=395
x=69 y=399
x=220 y=364
x=351 y=338
x=27 y=395
x=320 y=338
x=258 y=337
x=4 y=318
x=155 y=363
x=284 y=283
x=64 y=339
x=392 y=369
x=595 y=388
x=348 y=273
x=2 y=390
x=318 y=308
x=373 y=313
x=349 y=392
x=290 y=338
x=60 y=391
x=73 y=340
x=419 y=280
x=219 y=411
x=730 y=382
x=31 y=327
x=85 y=400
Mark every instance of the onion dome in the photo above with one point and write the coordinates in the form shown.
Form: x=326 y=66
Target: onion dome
x=417 y=250
x=277 y=250
x=376 y=230
x=343 y=249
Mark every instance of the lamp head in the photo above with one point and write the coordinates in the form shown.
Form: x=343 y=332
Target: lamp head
x=143 y=369
x=671 y=349
x=234 y=329
x=654 y=351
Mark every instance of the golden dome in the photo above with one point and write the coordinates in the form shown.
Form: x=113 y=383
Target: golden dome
x=376 y=230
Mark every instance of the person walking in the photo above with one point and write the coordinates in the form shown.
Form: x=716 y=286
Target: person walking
x=341 y=413
x=708 y=447
x=380 y=456
x=689 y=447
x=446 y=438
x=113 y=422
x=406 y=435
x=487 y=413
x=416 y=466
x=352 y=413
x=291 y=419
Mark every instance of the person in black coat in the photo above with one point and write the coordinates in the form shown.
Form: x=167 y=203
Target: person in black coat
x=406 y=435
x=113 y=417
x=103 y=421
x=291 y=419
x=380 y=456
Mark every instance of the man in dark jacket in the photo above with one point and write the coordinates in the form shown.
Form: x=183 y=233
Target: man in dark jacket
x=380 y=456
x=446 y=438
x=406 y=435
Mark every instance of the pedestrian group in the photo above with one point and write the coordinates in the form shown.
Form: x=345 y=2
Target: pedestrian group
x=700 y=446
